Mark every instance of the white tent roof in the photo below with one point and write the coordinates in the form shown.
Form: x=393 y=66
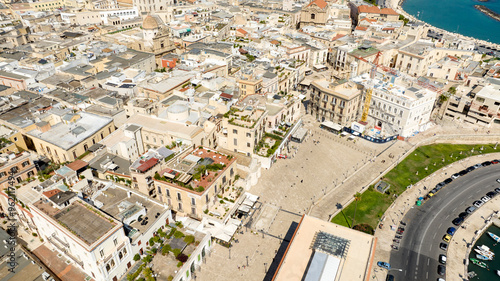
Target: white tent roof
x=332 y=125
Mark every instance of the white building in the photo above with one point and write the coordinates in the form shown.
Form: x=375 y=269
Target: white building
x=87 y=237
x=125 y=142
x=398 y=104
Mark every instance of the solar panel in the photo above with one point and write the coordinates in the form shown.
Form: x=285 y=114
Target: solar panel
x=331 y=244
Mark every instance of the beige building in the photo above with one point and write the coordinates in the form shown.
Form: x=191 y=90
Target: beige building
x=249 y=85
x=191 y=181
x=374 y=12
x=339 y=102
x=315 y=13
x=65 y=139
x=321 y=250
x=243 y=126
x=20 y=165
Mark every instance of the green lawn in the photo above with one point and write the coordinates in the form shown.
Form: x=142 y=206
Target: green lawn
x=373 y=204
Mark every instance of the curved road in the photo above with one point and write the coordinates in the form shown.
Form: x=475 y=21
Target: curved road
x=417 y=257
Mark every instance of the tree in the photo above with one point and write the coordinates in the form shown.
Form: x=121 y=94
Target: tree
x=137 y=257
x=357 y=197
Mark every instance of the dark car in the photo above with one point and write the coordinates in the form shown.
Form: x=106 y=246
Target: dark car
x=448 y=180
x=463 y=215
x=458 y=221
x=441 y=184
x=463 y=172
x=497 y=190
x=389 y=278
x=491 y=194
x=471 y=209
x=443 y=246
x=471 y=168
x=486 y=163
x=441 y=269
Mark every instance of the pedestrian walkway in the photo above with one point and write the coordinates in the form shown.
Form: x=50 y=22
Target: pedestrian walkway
x=407 y=199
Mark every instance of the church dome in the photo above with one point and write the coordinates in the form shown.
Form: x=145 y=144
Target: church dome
x=150 y=23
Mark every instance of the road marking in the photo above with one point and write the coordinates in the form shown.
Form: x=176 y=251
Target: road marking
x=430 y=248
x=406 y=262
x=448 y=215
x=428 y=260
x=455 y=209
x=427 y=275
x=441 y=224
x=433 y=237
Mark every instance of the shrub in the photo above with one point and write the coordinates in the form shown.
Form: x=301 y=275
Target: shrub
x=170 y=278
x=182 y=257
x=179 y=264
x=189 y=239
x=178 y=234
x=166 y=249
x=176 y=252
x=137 y=257
x=151 y=241
x=147 y=259
x=366 y=228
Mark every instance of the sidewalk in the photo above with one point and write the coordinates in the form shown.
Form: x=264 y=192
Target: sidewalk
x=406 y=200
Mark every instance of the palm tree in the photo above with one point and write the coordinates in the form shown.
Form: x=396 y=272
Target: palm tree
x=357 y=197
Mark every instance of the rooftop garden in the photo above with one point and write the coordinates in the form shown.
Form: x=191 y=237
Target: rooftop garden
x=242 y=118
x=268 y=144
x=166 y=253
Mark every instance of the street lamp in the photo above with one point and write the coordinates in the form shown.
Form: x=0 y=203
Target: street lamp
x=229 y=253
x=247 y=260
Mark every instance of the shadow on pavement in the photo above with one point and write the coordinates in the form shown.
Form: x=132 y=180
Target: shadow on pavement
x=281 y=252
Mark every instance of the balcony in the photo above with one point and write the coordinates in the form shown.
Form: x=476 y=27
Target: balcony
x=64 y=250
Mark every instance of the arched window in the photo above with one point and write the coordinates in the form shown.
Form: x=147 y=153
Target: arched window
x=313 y=16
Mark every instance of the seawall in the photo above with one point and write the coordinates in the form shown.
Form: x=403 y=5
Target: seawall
x=488 y=12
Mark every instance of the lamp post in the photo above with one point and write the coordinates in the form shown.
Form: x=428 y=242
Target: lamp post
x=247 y=260
x=229 y=253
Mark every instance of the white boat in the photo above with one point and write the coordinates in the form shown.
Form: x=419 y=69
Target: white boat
x=484 y=253
x=485 y=249
x=495 y=237
x=498 y=272
x=483 y=258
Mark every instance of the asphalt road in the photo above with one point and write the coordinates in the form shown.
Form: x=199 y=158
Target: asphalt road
x=417 y=257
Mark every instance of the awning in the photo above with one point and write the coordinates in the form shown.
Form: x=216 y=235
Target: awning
x=331 y=125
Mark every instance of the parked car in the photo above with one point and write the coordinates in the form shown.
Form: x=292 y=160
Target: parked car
x=447 y=238
x=389 y=277
x=471 y=168
x=497 y=190
x=457 y=221
x=441 y=184
x=455 y=176
x=443 y=246
x=471 y=209
x=442 y=259
x=384 y=265
x=463 y=172
x=441 y=269
x=478 y=203
x=448 y=180
x=486 y=163
x=478 y=165
x=451 y=231
x=463 y=215
x=485 y=198
x=491 y=194
x=498 y=180
x=494 y=162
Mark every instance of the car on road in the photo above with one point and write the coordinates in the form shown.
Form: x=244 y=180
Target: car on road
x=389 y=277
x=443 y=246
x=384 y=264
x=455 y=176
x=447 y=238
x=451 y=231
x=442 y=259
x=441 y=184
x=471 y=168
x=478 y=203
x=463 y=215
x=471 y=209
x=457 y=221
x=485 y=198
x=441 y=269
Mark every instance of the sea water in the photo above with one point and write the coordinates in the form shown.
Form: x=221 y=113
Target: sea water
x=458 y=16
x=482 y=273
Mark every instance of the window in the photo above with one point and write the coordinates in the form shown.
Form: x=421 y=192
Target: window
x=115 y=241
x=179 y=196
x=235 y=131
x=14 y=170
x=231 y=173
x=248 y=144
x=193 y=201
x=101 y=252
x=249 y=135
x=167 y=191
x=235 y=142
x=25 y=163
x=3 y=174
x=180 y=206
x=313 y=16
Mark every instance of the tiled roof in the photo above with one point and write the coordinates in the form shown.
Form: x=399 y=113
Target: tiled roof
x=376 y=10
x=320 y=3
x=241 y=30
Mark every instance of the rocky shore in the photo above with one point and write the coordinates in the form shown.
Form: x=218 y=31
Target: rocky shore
x=488 y=12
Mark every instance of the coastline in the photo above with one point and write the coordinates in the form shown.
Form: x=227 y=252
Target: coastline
x=397 y=5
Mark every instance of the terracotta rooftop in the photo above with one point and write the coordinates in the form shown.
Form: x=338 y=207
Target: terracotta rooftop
x=376 y=10
x=147 y=164
x=364 y=28
x=51 y=193
x=241 y=30
x=77 y=165
x=320 y=3
x=275 y=42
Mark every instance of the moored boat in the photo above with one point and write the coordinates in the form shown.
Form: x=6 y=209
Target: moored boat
x=495 y=237
x=484 y=258
x=479 y=263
